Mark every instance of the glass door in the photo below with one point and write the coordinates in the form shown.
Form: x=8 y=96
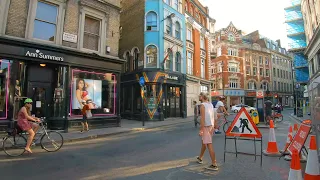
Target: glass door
x=41 y=95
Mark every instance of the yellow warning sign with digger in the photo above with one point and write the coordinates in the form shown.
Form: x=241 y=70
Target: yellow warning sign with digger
x=255 y=116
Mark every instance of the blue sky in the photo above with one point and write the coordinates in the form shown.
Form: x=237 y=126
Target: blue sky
x=267 y=16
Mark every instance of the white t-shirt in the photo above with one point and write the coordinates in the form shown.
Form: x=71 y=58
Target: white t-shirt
x=218 y=105
x=208 y=114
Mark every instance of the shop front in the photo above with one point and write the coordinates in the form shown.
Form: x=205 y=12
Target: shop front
x=59 y=81
x=251 y=100
x=164 y=96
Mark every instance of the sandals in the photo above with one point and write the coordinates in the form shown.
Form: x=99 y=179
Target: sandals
x=28 y=150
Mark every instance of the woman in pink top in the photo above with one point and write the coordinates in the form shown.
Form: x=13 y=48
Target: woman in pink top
x=24 y=123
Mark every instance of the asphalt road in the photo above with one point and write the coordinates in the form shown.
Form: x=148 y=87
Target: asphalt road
x=158 y=154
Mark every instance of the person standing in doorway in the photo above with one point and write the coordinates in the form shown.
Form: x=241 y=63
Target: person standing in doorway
x=207 y=124
x=221 y=111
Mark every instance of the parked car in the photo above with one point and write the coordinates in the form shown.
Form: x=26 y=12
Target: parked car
x=236 y=108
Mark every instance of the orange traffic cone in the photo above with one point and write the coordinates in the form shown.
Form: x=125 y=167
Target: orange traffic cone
x=312 y=169
x=289 y=139
x=272 y=149
x=295 y=167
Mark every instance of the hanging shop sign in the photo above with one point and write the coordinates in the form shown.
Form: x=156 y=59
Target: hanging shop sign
x=41 y=55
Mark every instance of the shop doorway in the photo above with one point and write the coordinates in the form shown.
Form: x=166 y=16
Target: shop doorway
x=40 y=89
x=173 y=101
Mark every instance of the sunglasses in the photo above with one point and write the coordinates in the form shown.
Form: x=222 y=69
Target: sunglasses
x=28 y=103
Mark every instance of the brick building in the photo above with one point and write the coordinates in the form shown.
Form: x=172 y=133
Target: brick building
x=61 y=54
x=227 y=67
x=153 y=43
x=198 y=24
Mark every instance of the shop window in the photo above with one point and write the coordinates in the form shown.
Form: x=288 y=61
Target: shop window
x=151 y=56
x=4 y=87
x=46 y=18
x=96 y=89
x=151 y=21
x=91 y=36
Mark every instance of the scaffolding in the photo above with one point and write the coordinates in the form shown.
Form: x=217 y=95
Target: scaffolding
x=297 y=39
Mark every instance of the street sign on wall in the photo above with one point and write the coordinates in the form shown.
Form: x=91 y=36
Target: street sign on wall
x=259 y=94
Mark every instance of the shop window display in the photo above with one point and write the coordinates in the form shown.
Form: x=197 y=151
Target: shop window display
x=4 y=86
x=98 y=90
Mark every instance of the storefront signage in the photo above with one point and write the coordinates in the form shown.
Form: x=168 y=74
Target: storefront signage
x=176 y=78
x=260 y=94
x=70 y=37
x=233 y=92
x=39 y=54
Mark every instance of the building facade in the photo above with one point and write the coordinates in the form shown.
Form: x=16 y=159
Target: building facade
x=311 y=16
x=198 y=23
x=228 y=66
x=153 y=43
x=61 y=54
x=297 y=44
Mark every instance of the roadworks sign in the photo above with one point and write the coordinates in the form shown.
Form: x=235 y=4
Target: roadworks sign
x=243 y=126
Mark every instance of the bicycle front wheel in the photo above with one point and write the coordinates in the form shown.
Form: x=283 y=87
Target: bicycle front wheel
x=226 y=127
x=52 y=141
x=14 y=145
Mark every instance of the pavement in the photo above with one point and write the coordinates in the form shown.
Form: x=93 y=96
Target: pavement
x=300 y=119
x=165 y=152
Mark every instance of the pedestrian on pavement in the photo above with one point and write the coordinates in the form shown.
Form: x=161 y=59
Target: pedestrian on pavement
x=86 y=114
x=221 y=111
x=207 y=125
x=196 y=113
x=25 y=122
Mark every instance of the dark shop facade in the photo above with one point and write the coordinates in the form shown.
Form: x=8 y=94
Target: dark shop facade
x=164 y=95
x=58 y=80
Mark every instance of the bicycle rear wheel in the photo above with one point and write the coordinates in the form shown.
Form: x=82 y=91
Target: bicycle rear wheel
x=226 y=126
x=51 y=142
x=14 y=145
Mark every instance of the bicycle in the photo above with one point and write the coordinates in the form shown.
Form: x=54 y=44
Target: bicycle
x=15 y=142
x=225 y=123
x=277 y=117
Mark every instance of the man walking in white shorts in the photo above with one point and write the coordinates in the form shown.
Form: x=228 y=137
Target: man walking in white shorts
x=207 y=125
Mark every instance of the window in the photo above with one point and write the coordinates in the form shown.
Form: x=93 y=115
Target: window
x=219 y=67
x=267 y=72
x=278 y=72
x=168 y=2
x=176 y=5
x=233 y=67
x=254 y=71
x=91 y=36
x=267 y=61
x=152 y=22
x=254 y=59
x=202 y=46
x=261 y=72
x=219 y=83
x=178 y=30
x=45 y=22
x=248 y=70
x=233 y=83
x=287 y=75
x=260 y=60
x=252 y=85
x=232 y=52
x=135 y=58
x=169 y=26
x=151 y=56
x=279 y=88
x=273 y=60
x=5 y=66
x=214 y=85
x=274 y=85
x=231 y=37
x=127 y=58
x=191 y=10
x=202 y=68
x=178 y=62
x=204 y=89
x=190 y=62
x=100 y=87
x=189 y=34
x=169 y=59
x=264 y=86
x=274 y=72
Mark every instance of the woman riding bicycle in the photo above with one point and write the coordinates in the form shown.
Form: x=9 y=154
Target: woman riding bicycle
x=24 y=123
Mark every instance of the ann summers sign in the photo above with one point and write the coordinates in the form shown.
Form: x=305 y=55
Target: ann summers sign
x=41 y=55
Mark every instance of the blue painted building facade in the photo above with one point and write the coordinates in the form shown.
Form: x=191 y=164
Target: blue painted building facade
x=161 y=60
